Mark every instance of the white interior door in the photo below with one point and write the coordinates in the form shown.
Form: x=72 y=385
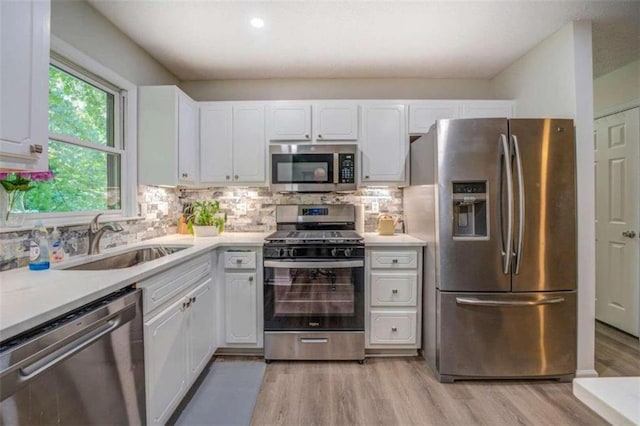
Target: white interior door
x=617 y=145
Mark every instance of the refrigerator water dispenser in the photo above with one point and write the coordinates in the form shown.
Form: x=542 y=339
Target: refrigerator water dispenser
x=470 y=210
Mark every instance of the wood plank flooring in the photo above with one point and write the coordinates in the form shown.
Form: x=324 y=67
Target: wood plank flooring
x=403 y=391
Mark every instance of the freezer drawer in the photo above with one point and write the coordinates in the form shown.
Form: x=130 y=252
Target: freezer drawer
x=482 y=335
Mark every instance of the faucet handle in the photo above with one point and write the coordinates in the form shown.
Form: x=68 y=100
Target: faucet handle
x=94 y=223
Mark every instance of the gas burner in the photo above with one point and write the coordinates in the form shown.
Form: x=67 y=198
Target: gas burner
x=315 y=237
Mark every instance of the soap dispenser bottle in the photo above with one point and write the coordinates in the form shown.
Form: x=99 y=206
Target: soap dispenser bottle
x=39 y=249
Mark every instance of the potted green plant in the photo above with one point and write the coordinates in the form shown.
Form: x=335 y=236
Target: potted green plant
x=204 y=218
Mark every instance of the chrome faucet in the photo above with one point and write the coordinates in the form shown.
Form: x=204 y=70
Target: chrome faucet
x=96 y=231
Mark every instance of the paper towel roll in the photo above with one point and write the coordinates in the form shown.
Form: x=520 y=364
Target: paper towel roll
x=360 y=218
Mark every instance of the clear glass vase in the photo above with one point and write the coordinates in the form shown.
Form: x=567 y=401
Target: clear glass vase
x=14 y=212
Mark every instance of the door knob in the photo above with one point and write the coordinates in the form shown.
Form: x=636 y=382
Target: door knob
x=629 y=234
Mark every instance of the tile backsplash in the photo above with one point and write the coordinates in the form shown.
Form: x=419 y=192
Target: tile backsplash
x=248 y=210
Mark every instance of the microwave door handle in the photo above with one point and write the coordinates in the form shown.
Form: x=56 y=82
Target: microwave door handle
x=521 y=203
x=508 y=249
x=336 y=165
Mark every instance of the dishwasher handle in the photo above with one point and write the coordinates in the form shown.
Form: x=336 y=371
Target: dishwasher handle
x=21 y=371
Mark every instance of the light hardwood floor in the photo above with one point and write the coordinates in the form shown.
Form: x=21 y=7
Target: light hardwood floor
x=403 y=391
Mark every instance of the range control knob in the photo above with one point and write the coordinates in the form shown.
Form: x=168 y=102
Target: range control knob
x=347 y=252
x=334 y=252
x=292 y=252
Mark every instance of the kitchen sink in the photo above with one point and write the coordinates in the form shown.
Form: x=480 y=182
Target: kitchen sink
x=128 y=258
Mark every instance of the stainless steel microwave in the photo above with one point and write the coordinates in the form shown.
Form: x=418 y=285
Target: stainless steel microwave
x=312 y=168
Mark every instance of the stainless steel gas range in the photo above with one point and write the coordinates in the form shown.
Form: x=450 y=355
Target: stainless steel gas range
x=314 y=285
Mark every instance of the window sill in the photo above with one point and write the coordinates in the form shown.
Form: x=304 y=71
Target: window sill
x=68 y=222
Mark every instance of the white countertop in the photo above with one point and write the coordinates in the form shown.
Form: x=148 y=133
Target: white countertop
x=372 y=239
x=616 y=399
x=29 y=298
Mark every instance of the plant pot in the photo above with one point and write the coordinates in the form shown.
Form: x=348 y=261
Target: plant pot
x=205 y=231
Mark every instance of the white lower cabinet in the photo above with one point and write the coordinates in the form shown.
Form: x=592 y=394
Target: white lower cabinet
x=241 y=307
x=394 y=327
x=179 y=335
x=393 y=288
x=240 y=295
x=166 y=362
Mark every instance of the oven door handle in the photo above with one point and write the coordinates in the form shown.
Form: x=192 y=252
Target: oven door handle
x=314 y=265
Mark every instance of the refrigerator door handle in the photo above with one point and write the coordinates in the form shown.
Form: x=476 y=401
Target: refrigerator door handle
x=480 y=302
x=507 y=250
x=521 y=203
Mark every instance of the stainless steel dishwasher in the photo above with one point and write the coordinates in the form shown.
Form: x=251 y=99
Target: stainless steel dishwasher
x=86 y=367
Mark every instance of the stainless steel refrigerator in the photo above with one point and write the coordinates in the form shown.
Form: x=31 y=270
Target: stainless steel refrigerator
x=496 y=200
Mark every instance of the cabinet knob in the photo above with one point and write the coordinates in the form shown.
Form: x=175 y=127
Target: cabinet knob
x=394 y=291
x=394 y=328
x=394 y=261
x=239 y=261
x=366 y=177
x=185 y=175
x=236 y=177
x=306 y=136
x=629 y=234
x=228 y=177
x=193 y=299
x=319 y=136
x=250 y=279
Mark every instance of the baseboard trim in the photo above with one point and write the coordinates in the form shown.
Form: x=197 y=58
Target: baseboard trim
x=586 y=373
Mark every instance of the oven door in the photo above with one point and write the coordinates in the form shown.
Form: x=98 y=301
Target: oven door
x=303 y=172
x=314 y=295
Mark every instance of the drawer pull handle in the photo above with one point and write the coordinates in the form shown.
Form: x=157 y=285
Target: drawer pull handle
x=394 y=291
x=394 y=261
x=238 y=261
x=394 y=328
x=193 y=299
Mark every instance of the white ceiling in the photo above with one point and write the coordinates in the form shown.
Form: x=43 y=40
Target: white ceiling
x=205 y=40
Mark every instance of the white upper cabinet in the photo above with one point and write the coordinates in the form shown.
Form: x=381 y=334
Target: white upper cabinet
x=216 y=142
x=167 y=136
x=422 y=115
x=487 y=109
x=332 y=121
x=24 y=85
x=249 y=144
x=335 y=122
x=384 y=144
x=289 y=121
x=232 y=143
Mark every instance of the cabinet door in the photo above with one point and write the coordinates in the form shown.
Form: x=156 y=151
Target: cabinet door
x=423 y=115
x=249 y=144
x=201 y=317
x=487 y=109
x=290 y=122
x=216 y=143
x=384 y=144
x=165 y=342
x=335 y=122
x=187 y=139
x=240 y=295
x=24 y=84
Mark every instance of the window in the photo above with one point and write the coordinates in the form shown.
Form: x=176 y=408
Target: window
x=86 y=146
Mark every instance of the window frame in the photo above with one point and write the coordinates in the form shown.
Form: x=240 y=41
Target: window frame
x=125 y=135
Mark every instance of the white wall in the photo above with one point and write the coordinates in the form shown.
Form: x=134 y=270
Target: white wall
x=348 y=88
x=78 y=24
x=619 y=88
x=555 y=79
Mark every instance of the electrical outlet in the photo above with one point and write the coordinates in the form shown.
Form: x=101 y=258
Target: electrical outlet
x=375 y=207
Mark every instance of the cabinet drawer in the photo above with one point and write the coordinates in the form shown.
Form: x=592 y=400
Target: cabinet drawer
x=394 y=259
x=239 y=260
x=393 y=327
x=163 y=287
x=394 y=288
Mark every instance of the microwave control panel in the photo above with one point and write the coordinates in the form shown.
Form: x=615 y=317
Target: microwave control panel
x=347 y=168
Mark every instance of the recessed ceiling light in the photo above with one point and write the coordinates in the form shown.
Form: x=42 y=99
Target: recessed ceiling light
x=257 y=23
